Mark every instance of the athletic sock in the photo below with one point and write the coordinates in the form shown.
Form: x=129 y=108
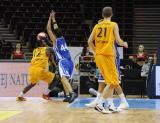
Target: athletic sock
x=46 y=91
x=101 y=101
x=123 y=99
x=21 y=94
x=110 y=101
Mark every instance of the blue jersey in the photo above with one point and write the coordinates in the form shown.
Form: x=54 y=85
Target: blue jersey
x=61 y=49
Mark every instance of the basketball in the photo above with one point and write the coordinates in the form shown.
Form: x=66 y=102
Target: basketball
x=41 y=36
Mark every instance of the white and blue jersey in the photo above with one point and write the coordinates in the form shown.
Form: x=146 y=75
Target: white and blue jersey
x=64 y=59
x=98 y=74
x=62 y=48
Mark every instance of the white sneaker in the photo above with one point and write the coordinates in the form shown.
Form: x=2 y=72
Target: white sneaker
x=92 y=104
x=100 y=108
x=112 y=108
x=123 y=106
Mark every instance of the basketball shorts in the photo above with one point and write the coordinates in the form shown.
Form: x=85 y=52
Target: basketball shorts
x=100 y=77
x=108 y=69
x=66 y=68
x=37 y=73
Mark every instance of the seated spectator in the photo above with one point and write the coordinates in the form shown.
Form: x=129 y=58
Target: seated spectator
x=141 y=56
x=146 y=66
x=18 y=53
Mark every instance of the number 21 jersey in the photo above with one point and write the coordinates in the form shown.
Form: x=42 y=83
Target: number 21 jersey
x=104 y=38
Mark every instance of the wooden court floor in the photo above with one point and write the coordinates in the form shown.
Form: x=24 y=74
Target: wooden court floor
x=41 y=111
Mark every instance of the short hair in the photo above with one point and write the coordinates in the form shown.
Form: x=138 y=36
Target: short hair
x=107 y=12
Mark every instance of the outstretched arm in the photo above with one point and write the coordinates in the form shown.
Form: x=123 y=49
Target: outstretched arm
x=49 y=30
x=57 y=30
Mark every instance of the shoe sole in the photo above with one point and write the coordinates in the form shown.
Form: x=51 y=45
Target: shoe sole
x=75 y=97
x=100 y=110
x=87 y=105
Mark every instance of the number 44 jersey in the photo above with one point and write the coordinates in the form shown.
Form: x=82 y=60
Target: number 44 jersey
x=61 y=49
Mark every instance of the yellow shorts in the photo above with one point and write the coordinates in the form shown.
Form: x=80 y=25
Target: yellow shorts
x=36 y=74
x=107 y=67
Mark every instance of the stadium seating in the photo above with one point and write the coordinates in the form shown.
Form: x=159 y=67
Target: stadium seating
x=23 y=15
x=80 y=16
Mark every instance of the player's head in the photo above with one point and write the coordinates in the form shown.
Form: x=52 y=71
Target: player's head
x=41 y=37
x=107 y=12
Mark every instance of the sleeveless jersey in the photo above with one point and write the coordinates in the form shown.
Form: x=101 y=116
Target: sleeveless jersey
x=104 y=38
x=61 y=49
x=39 y=59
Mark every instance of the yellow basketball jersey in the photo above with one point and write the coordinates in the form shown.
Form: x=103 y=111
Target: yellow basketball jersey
x=104 y=38
x=39 y=59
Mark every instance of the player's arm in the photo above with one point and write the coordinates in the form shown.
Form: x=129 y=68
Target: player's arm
x=50 y=54
x=49 y=30
x=91 y=41
x=119 y=41
x=57 y=30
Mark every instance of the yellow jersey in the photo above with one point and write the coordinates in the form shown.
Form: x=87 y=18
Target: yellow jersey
x=40 y=58
x=104 y=38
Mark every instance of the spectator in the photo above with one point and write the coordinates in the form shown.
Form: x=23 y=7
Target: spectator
x=141 y=56
x=18 y=53
x=146 y=66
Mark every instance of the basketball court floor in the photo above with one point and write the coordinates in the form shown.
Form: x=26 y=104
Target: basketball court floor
x=37 y=110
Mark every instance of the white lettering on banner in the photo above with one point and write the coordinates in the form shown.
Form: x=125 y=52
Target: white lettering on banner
x=14 y=77
x=157 y=80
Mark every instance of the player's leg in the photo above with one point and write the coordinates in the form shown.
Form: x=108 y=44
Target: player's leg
x=47 y=77
x=67 y=98
x=33 y=78
x=24 y=91
x=66 y=70
x=103 y=64
x=124 y=104
x=101 y=86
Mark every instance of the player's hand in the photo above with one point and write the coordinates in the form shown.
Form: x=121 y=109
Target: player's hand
x=52 y=14
x=125 y=44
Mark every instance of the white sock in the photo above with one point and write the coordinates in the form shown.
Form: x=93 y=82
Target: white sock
x=98 y=97
x=123 y=99
x=47 y=91
x=110 y=101
x=101 y=101
x=21 y=94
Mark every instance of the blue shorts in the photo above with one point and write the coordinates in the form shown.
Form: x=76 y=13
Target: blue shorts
x=66 y=68
x=100 y=77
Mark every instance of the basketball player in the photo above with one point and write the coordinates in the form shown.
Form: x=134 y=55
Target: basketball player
x=124 y=104
x=104 y=34
x=65 y=62
x=39 y=65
